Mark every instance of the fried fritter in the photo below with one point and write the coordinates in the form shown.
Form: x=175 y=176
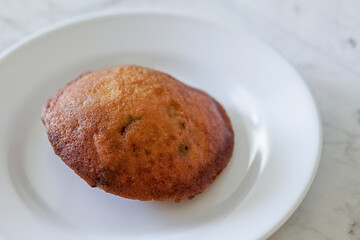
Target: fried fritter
x=139 y=133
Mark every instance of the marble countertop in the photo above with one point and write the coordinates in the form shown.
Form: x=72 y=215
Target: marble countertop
x=321 y=39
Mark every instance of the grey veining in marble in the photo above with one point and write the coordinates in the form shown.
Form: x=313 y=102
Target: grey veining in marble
x=321 y=39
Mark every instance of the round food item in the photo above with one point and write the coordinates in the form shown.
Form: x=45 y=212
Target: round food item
x=139 y=133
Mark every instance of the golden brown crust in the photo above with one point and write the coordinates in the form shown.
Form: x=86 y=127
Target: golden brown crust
x=139 y=133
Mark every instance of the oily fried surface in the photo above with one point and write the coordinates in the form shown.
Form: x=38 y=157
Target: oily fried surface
x=139 y=133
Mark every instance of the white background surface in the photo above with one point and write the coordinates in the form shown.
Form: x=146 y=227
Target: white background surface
x=320 y=38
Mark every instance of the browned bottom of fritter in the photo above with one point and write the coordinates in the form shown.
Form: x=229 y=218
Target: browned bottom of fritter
x=139 y=133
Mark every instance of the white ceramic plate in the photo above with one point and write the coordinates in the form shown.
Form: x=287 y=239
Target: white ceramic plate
x=277 y=131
